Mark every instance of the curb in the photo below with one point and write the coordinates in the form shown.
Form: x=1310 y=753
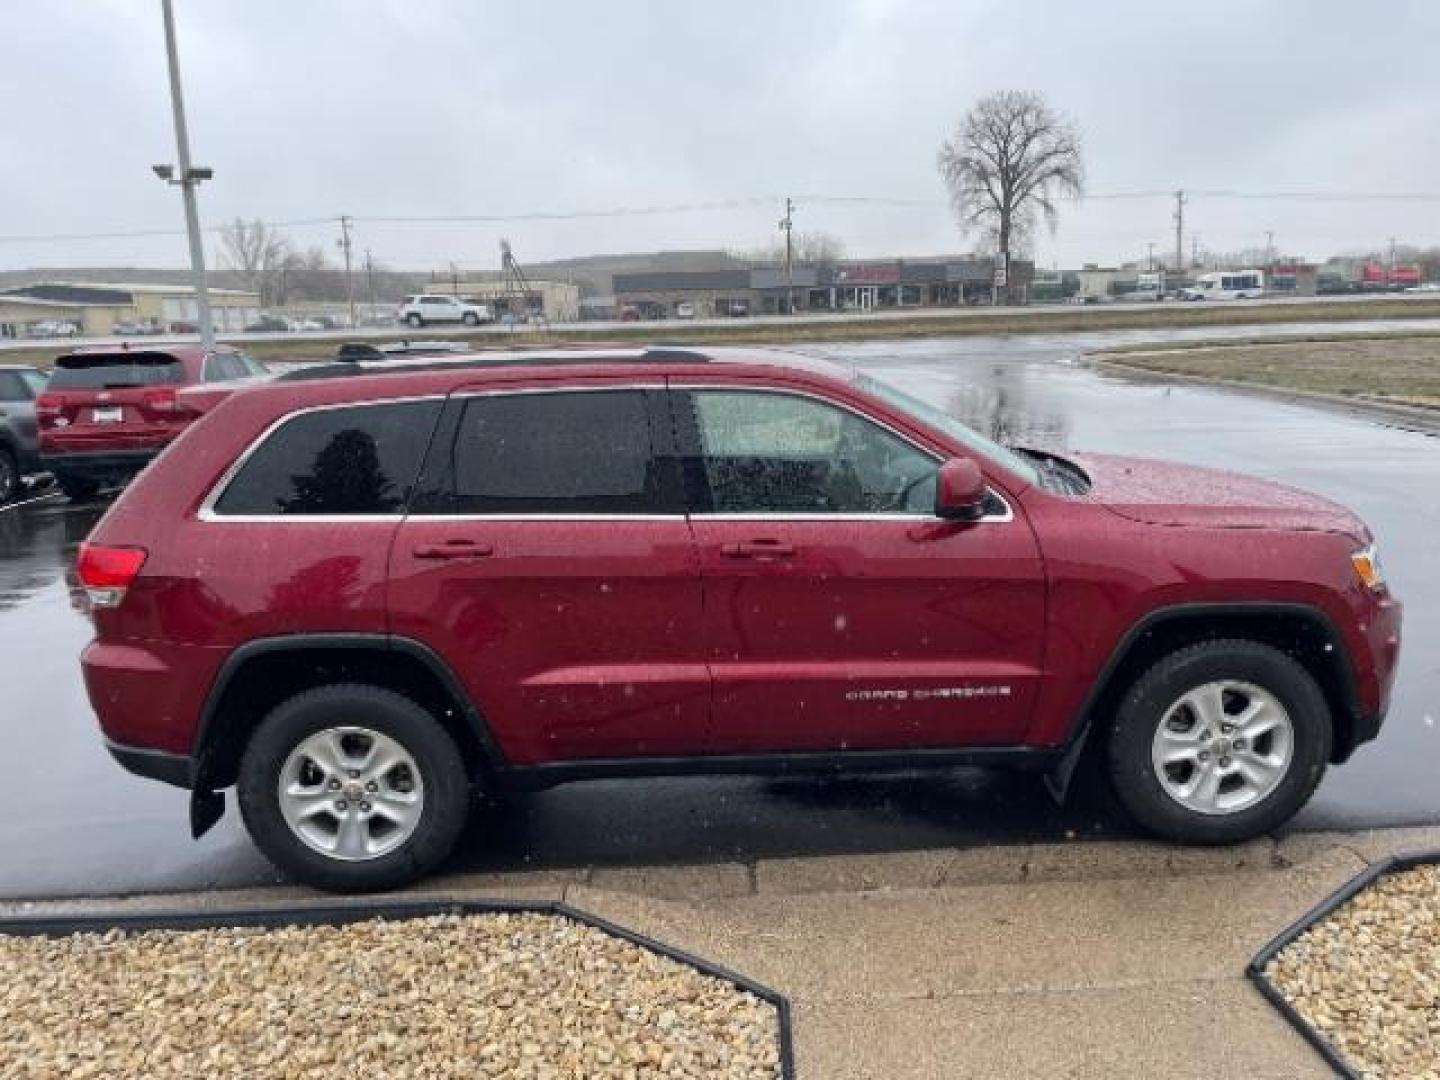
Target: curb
x=1414 y=417
x=1255 y=970
x=345 y=914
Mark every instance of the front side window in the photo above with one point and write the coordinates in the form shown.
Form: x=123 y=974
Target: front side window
x=341 y=461
x=775 y=453
x=564 y=452
x=35 y=381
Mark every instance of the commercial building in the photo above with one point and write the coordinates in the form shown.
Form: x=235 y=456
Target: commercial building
x=558 y=301
x=850 y=286
x=94 y=309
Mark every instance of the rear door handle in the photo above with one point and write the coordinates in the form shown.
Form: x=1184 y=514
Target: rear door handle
x=454 y=549
x=758 y=549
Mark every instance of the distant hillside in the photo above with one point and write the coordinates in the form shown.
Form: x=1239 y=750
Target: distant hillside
x=595 y=273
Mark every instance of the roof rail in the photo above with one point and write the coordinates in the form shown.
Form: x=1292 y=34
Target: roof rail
x=364 y=358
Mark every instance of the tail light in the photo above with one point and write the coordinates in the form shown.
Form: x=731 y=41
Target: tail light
x=107 y=572
x=162 y=399
x=47 y=407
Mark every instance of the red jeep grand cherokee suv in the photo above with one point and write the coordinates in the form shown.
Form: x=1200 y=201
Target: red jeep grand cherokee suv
x=362 y=591
x=108 y=410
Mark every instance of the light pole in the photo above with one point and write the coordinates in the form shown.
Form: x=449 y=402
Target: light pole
x=188 y=180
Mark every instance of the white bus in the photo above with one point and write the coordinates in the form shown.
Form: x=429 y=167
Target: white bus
x=1228 y=285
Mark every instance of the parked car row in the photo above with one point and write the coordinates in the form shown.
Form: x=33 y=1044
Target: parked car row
x=362 y=592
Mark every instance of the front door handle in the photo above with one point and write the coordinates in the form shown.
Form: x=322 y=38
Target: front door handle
x=454 y=549
x=758 y=549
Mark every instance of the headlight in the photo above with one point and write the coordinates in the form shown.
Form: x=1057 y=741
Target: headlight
x=1367 y=567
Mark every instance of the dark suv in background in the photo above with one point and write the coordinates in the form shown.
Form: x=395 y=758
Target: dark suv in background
x=369 y=588
x=19 y=446
x=107 y=411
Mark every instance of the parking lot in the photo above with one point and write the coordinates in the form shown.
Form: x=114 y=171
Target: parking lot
x=81 y=825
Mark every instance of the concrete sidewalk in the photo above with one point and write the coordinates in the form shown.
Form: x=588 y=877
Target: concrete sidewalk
x=1090 y=959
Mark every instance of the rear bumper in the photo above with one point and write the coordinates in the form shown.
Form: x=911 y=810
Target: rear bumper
x=174 y=769
x=97 y=464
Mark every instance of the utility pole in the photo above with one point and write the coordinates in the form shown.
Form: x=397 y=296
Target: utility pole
x=1150 y=256
x=1392 y=256
x=190 y=177
x=1269 y=248
x=454 y=281
x=1194 y=250
x=345 y=224
x=1180 y=201
x=370 y=280
x=786 y=225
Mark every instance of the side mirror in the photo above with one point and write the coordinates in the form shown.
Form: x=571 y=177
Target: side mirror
x=960 y=491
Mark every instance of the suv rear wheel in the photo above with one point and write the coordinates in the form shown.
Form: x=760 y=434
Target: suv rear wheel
x=352 y=788
x=9 y=475
x=1219 y=742
x=470 y=319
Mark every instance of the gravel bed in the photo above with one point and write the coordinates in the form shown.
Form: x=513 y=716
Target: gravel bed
x=1368 y=976
x=513 y=995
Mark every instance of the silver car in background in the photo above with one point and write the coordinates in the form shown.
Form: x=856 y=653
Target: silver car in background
x=19 y=450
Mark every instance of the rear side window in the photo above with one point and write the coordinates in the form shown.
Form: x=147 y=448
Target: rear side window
x=223 y=367
x=570 y=452
x=352 y=460
x=112 y=371
x=13 y=387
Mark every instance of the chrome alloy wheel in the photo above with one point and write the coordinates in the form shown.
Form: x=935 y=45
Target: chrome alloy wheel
x=351 y=793
x=1223 y=747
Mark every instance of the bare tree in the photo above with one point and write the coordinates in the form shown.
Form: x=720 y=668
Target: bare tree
x=810 y=249
x=1009 y=161
x=258 y=254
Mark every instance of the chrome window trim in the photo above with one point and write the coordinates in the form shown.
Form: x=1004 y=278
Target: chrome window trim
x=1007 y=515
x=207 y=512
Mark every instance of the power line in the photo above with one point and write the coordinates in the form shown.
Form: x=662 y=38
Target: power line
x=728 y=204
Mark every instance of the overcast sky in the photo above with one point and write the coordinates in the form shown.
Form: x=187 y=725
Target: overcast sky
x=311 y=108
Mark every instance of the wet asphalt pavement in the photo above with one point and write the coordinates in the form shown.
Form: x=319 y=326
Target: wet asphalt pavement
x=76 y=824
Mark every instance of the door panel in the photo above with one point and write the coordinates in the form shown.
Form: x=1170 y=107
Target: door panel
x=548 y=559
x=871 y=634
x=576 y=638
x=840 y=614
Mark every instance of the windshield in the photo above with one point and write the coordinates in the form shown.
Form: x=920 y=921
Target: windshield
x=943 y=421
x=34 y=380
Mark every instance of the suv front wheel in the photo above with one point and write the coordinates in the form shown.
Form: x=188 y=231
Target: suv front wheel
x=1219 y=742
x=353 y=788
x=415 y=319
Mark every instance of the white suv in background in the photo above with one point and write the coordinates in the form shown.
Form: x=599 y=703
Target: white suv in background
x=434 y=308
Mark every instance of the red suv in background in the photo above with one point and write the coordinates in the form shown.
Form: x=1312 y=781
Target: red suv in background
x=365 y=590
x=107 y=411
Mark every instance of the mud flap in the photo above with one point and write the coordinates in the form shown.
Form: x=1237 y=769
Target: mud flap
x=1057 y=780
x=206 y=808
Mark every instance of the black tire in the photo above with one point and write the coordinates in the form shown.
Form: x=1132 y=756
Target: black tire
x=470 y=319
x=76 y=487
x=415 y=320
x=1132 y=771
x=9 y=475
x=442 y=771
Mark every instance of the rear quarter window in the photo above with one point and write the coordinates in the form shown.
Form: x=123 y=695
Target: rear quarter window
x=113 y=371
x=341 y=461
